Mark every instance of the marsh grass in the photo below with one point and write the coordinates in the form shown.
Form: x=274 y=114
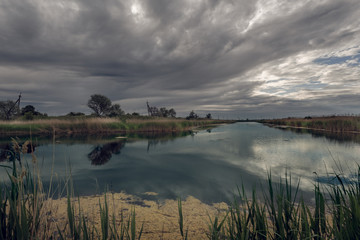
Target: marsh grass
x=335 y=213
x=102 y=125
x=21 y=201
x=277 y=213
x=339 y=124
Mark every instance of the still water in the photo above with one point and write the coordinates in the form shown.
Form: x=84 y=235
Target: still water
x=208 y=165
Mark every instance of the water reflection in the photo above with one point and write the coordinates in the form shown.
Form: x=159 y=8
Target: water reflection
x=163 y=138
x=101 y=154
x=104 y=146
x=332 y=136
x=207 y=165
x=4 y=152
x=7 y=151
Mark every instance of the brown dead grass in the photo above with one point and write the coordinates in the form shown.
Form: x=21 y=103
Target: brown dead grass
x=62 y=121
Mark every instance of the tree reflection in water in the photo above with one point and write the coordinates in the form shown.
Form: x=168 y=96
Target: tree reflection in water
x=7 y=151
x=4 y=152
x=101 y=154
x=162 y=138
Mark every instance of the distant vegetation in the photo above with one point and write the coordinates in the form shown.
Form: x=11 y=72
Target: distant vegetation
x=9 y=110
x=100 y=105
x=83 y=125
x=331 y=123
x=162 y=112
x=192 y=115
x=103 y=107
x=106 y=117
x=75 y=114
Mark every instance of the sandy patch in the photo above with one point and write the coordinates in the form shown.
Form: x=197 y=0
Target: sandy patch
x=159 y=218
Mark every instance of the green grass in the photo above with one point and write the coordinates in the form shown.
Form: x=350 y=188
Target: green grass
x=184 y=236
x=277 y=213
x=283 y=215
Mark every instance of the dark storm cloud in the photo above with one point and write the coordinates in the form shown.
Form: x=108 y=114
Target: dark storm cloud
x=186 y=54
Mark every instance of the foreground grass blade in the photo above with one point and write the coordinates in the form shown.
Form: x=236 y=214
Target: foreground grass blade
x=181 y=220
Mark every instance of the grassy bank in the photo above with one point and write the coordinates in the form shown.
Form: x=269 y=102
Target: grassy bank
x=102 y=125
x=340 y=124
x=27 y=211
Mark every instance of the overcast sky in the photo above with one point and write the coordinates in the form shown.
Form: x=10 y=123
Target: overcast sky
x=235 y=59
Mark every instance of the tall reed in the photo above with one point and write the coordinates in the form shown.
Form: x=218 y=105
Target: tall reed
x=21 y=200
x=103 y=125
x=335 y=213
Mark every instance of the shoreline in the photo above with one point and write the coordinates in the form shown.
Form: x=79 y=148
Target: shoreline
x=105 y=126
x=331 y=124
x=312 y=129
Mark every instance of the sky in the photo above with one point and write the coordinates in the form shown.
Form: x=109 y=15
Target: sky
x=233 y=58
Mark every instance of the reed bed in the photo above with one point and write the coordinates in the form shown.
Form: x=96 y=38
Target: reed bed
x=278 y=212
x=101 y=125
x=339 y=124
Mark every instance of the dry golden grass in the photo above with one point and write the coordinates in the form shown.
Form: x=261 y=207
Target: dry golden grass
x=101 y=125
x=55 y=122
x=331 y=123
x=158 y=120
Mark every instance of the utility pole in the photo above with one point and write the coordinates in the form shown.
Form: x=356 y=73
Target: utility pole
x=148 y=108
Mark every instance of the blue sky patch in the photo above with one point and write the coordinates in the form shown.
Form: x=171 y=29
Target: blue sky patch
x=337 y=60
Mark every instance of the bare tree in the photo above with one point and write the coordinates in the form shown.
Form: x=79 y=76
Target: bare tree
x=8 y=109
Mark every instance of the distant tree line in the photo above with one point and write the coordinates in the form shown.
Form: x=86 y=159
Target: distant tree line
x=99 y=104
x=10 y=110
x=192 y=115
x=30 y=113
x=75 y=114
x=162 y=112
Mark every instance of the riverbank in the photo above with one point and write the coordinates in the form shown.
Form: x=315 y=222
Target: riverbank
x=103 y=125
x=335 y=124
